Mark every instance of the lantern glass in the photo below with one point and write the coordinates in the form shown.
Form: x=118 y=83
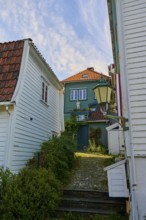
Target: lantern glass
x=103 y=94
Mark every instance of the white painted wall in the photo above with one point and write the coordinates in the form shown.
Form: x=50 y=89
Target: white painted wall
x=117 y=182
x=132 y=55
x=141 y=182
x=115 y=139
x=34 y=121
x=6 y=118
x=4 y=123
x=134 y=26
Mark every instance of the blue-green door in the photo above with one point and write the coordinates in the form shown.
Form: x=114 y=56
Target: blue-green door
x=82 y=137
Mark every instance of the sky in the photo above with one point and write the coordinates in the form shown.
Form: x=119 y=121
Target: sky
x=72 y=35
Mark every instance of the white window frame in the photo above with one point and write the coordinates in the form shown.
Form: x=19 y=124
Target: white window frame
x=44 y=92
x=78 y=94
x=82 y=94
x=85 y=75
x=73 y=94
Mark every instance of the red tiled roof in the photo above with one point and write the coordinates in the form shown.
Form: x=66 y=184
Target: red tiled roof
x=10 y=61
x=92 y=75
x=95 y=116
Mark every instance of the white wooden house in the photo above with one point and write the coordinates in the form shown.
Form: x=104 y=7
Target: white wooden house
x=128 y=30
x=31 y=103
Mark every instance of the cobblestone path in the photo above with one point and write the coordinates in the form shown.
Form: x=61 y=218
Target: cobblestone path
x=88 y=174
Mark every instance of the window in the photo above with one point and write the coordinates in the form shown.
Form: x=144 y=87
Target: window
x=73 y=94
x=82 y=94
x=44 y=92
x=85 y=76
x=81 y=117
x=78 y=94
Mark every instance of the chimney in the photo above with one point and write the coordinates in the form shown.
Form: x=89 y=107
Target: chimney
x=90 y=68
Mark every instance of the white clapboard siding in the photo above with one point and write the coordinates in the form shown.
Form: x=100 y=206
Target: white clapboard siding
x=61 y=111
x=134 y=27
x=115 y=139
x=34 y=120
x=4 y=123
x=117 y=183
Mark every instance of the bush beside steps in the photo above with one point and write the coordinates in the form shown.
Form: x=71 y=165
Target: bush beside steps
x=35 y=191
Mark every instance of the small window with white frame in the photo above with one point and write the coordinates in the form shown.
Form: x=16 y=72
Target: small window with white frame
x=44 y=94
x=85 y=76
x=82 y=94
x=73 y=94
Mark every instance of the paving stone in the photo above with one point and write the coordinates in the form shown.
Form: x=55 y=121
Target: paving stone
x=89 y=174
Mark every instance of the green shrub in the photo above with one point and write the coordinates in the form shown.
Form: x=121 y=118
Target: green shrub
x=6 y=177
x=31 y=194
x=35 y=191
x=56 y=154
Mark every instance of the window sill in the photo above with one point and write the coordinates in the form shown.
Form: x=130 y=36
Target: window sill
x=44 y=103
x=80 y=100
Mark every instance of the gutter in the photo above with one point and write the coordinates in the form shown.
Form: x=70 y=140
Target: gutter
x=6 y=103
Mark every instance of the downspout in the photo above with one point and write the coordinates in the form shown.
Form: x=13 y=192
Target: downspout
x=132 y=160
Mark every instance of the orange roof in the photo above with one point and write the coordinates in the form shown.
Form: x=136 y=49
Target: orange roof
x=86 y=75
x=10 y=61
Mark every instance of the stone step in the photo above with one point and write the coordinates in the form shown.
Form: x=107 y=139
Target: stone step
x=85 y=193
x=85 y=211
x=91 y=202
x=93 y=194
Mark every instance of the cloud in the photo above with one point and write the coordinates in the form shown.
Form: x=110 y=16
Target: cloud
x=56 y=38
x=95 y=18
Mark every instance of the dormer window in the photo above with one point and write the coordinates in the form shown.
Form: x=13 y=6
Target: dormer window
x=85 y=76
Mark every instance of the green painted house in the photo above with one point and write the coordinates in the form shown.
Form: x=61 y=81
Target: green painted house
x=80 y=101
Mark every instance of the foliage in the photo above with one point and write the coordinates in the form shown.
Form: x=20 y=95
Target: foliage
x=6 y=177
x=56 y=154
x=96 y=148
x=109 y=161
x=95 y=135
x=71 y=125
x=35 y=190
x=113 y=159
x=29 y=195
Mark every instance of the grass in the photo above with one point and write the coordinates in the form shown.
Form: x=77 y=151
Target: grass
x=92 y=155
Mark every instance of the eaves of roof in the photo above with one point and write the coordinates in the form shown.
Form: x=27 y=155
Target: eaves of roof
x=10 y=62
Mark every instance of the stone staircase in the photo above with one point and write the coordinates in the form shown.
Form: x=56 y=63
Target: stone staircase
x=89 y=202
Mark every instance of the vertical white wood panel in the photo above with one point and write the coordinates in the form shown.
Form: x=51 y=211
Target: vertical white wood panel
x=134 y=25
x=117 y=183
x=34 y=120
x=4 y=119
